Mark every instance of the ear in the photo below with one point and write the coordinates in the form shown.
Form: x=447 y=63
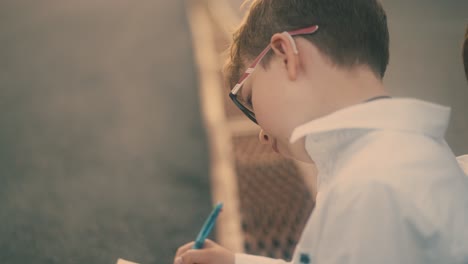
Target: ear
x=284 y=46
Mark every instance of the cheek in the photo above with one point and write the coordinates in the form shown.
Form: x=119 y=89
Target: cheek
x=265 y=112
x=269 y=111
x=271 y=121
x=267 y=99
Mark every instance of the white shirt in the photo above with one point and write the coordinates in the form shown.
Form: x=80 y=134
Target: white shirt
x=390 y=189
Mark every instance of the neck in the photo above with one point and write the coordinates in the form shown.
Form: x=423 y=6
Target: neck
x=338 y=89
x=342 y=88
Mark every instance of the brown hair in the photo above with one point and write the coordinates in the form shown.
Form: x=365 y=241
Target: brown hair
x=465 y=53
x=351 y=32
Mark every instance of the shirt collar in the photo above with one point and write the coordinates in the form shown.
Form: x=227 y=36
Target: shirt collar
x=403 y=114
x=328 y=138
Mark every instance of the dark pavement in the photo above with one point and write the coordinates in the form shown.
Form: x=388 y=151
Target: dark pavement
x=102 y=149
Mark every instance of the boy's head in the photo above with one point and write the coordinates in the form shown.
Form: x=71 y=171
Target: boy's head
x=351 y=41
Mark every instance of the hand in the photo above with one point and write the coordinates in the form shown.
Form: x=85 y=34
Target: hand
x=211 y=253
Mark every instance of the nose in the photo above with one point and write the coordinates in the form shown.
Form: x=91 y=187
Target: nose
x=263 y=137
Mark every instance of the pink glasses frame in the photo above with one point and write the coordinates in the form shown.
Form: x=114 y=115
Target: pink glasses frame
x=251 y=68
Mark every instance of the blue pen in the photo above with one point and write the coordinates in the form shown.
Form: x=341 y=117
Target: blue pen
x=207 y=227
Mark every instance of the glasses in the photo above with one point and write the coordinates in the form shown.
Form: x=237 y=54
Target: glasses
x=245 y=105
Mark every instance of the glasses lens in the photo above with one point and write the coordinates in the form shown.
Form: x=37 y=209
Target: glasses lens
x=249 y=113
x=246 y=102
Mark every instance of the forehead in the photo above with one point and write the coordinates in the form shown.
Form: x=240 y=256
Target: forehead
x=247 y=67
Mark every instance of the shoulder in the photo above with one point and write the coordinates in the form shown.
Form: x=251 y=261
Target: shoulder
x=399 y=158
x=463 y=162
x=383 y=146
x=364 y=193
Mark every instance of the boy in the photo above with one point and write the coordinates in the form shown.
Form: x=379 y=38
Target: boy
x=390 y=189
x=463 y=160
x=465 y=53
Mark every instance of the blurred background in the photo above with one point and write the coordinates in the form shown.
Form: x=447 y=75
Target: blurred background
x=103 y=148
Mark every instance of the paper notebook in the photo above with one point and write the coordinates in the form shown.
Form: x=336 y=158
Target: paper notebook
x=123 y=261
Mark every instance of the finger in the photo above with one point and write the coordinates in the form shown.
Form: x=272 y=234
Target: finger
x=184 y=248
x=195 y=256
x=209 y=243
